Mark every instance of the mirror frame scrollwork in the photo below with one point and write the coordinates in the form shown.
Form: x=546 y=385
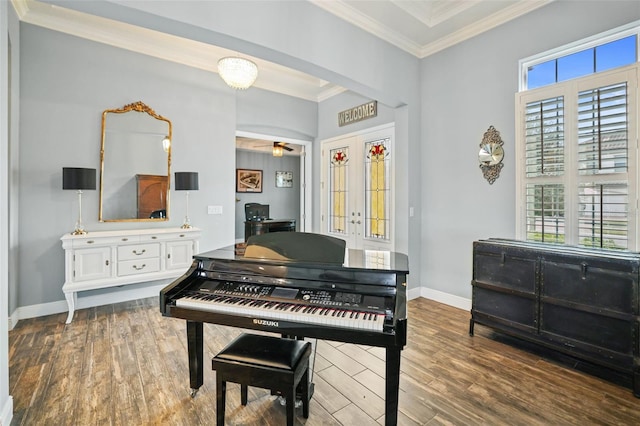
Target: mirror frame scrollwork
x=138 y=107
x=491 y=155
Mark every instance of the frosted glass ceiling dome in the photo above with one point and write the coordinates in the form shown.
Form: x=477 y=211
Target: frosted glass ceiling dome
x=238 y=73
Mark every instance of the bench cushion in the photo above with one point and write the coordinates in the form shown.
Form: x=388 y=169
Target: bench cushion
x=262 y=350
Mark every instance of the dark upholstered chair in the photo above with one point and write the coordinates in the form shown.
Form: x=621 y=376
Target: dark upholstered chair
x=266 y=362
x=158 y=214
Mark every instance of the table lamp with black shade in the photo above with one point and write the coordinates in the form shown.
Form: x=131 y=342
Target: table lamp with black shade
x=79 y=179
x=186 y=181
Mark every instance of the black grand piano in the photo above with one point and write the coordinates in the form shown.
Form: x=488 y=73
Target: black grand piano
x=297 y=284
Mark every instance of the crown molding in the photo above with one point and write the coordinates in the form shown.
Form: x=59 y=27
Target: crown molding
x=353 y=16
x=271 y=77
x=514 y=11
x=364 y=22
x=21 y=8
x=433 y=13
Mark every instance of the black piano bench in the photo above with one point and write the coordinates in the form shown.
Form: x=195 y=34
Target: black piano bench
x=266 y=362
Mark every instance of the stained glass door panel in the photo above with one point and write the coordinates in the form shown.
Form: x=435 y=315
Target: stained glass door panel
x=357 y=196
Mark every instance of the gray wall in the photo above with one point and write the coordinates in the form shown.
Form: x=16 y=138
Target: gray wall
x=466 y=89
x=273 y=114
x=284 y=203
x=441 y=106
x=66 y=83
x=302 y=36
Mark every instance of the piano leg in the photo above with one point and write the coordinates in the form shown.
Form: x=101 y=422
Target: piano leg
x=392 y=387
x=196 y=354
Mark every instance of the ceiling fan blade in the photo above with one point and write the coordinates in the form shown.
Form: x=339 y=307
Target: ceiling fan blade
x=283 y=145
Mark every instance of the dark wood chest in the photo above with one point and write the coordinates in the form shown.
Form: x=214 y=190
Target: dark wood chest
x=582 y=302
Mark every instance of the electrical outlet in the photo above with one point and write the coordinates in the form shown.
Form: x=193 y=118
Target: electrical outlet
x=214 y=209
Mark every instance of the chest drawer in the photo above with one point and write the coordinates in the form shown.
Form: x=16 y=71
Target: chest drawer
x=506 y=270
x=138 y=266
x=598 y=285
x=138 y=251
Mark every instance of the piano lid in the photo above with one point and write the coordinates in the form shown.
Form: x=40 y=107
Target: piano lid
x=296 y=246
x=304 y=249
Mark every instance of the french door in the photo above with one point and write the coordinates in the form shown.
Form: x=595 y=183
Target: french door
x=357 y=189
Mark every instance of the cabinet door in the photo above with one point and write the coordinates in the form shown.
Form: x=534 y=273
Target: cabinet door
x=92 y=264
x=179 y=254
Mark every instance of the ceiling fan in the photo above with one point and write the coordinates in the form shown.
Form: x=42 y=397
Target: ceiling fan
x=279 y=148
x=283 y=145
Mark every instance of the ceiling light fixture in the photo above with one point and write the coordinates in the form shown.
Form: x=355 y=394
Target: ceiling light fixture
x=238 y=73
x=277 y=150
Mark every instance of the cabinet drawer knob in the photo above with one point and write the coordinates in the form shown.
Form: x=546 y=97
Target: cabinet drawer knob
x=125 y=239
x=138 y=253
x=106 y=262
x=168 y=255
x=154 y=238
x=181 y=235
x=90 y=242
x=138 y=268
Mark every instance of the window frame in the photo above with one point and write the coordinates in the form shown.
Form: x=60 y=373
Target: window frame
x=575 y=47
x=571 y=179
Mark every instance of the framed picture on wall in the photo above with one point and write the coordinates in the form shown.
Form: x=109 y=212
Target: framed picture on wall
x=248 y=180
x=284 y=179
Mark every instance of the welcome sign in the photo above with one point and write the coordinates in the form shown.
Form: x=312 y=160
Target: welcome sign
x=359 y=113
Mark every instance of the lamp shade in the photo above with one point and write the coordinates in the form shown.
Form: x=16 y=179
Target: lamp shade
x=78 y=178
x=186 y=181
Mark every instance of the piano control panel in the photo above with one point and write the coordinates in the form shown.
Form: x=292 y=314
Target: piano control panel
x=316 y=297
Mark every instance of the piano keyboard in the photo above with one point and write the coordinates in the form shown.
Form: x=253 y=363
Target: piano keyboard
x=286 y=311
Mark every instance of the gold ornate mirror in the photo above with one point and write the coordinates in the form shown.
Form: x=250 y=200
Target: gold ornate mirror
x=491 y=155
x=135 y=165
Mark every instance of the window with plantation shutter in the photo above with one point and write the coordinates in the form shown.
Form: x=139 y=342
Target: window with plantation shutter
x=602 y=130
x=544 y=137
x=577 y=168
x=545 y=213
x=603 y=215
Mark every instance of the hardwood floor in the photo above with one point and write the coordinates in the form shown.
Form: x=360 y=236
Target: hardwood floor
x=125 y=364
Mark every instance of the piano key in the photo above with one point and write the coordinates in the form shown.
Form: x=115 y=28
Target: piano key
x=294 y=312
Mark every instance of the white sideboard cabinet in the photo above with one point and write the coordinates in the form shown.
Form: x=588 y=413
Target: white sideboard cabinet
x=114 y=258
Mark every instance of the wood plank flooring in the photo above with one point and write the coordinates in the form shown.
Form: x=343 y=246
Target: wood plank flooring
x=125 y=364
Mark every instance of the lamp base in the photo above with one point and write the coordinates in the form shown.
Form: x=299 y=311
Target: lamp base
x=186 y=223
x=79 y=232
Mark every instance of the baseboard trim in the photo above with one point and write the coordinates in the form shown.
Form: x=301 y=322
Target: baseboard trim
x=13 y=319
x=446 y=298
x=414 y=293
x=52 y=308
x=7 y=412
